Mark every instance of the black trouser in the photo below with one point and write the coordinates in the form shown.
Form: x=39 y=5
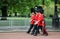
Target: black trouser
x=37 y=29
x=43 y=30
x=34 y=29
x=29 y=30
x=40 y=27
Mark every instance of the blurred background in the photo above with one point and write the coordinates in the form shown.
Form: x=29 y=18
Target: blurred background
x=15 y=14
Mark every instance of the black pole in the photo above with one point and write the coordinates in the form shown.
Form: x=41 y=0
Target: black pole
x=55 y=19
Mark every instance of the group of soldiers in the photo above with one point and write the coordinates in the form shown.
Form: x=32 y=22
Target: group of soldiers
x=37 y=21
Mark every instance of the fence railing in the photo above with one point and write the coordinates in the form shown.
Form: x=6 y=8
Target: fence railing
x=14 y=21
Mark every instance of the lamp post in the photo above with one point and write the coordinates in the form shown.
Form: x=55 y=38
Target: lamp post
x=55 y=19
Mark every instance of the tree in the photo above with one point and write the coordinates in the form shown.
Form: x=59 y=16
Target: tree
x=4 y=9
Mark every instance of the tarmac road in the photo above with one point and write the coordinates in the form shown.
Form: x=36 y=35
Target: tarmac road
x=24 y=35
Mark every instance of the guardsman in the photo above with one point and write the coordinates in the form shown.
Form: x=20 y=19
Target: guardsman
x=32 y=20
x=44 y=29
x=40 y=21
x=36 y=18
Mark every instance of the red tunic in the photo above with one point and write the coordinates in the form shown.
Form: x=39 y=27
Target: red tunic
x=39 y=17
x=32 y=19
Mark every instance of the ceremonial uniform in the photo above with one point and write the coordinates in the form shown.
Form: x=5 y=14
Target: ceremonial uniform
x=39 y=20
x=44 y=29
x=37 y=9
x=32 y=21
x=40 y=24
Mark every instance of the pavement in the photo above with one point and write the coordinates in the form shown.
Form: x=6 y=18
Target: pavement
x=24 y=35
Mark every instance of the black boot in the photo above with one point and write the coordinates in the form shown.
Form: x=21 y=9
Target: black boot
x=28 y=32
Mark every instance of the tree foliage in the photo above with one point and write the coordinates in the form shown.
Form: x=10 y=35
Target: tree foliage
x=22 y=7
